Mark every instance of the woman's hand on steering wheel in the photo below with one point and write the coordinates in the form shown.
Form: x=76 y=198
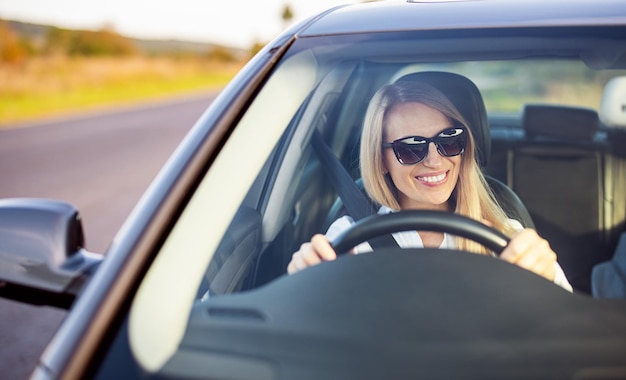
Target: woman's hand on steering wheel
x=312 y=253
x=530 y=251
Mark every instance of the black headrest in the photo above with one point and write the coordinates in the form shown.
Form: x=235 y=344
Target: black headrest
x=466 y=97
x=572 y=123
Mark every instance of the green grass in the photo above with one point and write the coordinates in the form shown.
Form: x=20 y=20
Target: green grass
x=72 y=86
x=29 y=106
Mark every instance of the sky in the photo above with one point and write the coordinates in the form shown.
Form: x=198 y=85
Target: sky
x=237 y=23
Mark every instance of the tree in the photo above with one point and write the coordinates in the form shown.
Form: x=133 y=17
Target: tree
x=221 y=54
x=13 y=49
x=287 y=15
x=89 y=43
x=256 y=47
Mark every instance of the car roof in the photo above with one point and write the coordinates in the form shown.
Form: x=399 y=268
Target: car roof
x=461 y=14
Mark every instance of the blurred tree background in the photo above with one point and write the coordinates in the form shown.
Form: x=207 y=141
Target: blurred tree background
x=22 y=41
x=46 y=70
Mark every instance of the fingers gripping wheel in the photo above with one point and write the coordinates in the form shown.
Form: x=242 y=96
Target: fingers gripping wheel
x=377 y=225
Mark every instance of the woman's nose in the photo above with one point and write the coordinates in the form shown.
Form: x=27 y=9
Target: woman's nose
x=433 y=159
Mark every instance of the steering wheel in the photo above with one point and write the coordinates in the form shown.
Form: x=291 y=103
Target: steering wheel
x=414 y=220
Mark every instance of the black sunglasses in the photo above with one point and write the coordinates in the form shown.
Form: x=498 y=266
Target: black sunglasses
x=411 y=150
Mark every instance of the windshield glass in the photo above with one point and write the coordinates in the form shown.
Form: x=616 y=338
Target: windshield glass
x=507 y=85
x=268 y=192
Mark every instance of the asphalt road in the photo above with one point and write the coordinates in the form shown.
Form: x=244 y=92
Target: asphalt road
x=101 y=162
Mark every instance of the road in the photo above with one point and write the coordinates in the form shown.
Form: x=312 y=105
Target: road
x=101 y=162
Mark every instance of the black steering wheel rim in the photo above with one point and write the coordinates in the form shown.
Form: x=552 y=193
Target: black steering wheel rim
x=418 y=220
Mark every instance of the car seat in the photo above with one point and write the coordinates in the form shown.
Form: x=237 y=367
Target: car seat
x=558 y=173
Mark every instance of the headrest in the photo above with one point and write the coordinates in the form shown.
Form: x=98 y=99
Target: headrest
x=613 y=106
x=466 y=97
x=572 y=123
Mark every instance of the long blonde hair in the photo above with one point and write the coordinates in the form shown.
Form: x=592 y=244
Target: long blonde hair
x=471 y=197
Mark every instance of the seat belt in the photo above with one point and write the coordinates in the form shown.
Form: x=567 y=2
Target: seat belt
x=356 y=203
x=354 y=200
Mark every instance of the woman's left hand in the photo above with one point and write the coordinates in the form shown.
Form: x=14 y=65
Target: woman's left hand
x=530 y=251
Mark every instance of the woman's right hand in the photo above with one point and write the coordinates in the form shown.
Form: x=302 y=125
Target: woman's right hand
x=311 y=253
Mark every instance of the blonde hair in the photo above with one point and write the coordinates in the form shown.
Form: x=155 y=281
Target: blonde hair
x=471 y=197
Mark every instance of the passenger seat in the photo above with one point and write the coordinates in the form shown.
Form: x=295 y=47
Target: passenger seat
x=558 y=172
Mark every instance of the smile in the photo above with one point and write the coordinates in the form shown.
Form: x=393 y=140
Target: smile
x=433 y=179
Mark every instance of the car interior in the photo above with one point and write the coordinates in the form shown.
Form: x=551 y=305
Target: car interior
x=555 y=167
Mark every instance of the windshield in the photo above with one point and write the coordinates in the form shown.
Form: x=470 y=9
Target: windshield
x=507 y=85
x=268 y=193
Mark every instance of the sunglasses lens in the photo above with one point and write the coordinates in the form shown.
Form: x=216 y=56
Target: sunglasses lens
x=451 y=146
x=409 y=155
x=451 y=142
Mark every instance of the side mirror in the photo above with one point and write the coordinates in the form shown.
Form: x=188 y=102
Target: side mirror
x=42 y=260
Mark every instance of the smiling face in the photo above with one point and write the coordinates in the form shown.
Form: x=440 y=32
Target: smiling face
x=428 y=184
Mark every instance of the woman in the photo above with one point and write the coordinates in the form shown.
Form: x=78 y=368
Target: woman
x=417 y=154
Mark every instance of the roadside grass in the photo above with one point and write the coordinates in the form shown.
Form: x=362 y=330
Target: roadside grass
x=55 y=86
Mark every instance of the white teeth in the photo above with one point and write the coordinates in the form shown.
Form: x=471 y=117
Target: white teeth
x=433 y=179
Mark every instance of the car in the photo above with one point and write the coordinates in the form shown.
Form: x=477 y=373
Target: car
x=195 y=284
